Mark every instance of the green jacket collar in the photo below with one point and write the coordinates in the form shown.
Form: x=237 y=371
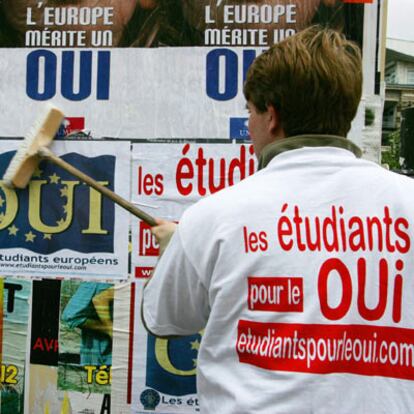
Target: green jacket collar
x=286 y=144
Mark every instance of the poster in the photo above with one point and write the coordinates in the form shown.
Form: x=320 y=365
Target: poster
x=164 y=370
x=85 y=337
x=71 y=347
x=153 y=23
x=162 y=69
x=168 y=178
x=122 y=348
x=44 y=343
x=45 y=398
x=14 y=296
x=59 y=226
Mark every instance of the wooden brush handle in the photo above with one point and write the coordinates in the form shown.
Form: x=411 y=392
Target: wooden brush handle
x=45 y=153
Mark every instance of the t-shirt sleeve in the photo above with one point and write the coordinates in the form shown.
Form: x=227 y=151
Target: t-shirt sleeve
x=175 y=301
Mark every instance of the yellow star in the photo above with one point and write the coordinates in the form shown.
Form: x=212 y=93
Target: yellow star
x=60 y=222
x=13 y=230
x=195 y=362
x=38 y=172
x=65 y=208
x=64 y=191
x=30 y=237
x=2 y=200
x=47 y=236
x=195 y=345
x=54 y=179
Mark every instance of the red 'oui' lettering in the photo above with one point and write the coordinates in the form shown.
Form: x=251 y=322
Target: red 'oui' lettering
x=335 y=266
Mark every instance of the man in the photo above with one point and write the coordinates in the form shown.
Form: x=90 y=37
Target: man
x=302 y=274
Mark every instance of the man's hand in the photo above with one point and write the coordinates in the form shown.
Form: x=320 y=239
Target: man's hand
x=163 y=232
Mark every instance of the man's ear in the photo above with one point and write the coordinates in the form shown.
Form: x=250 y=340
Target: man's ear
x=274 y=124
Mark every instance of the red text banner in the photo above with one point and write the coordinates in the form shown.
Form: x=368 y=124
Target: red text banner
x=323 y=349
x=275 y=294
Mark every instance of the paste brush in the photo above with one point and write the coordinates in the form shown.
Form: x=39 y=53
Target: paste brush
x=34 y=149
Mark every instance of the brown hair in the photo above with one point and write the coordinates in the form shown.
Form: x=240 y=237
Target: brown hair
x=313 y=79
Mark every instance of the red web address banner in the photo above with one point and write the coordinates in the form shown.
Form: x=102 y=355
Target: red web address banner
x=323 y=349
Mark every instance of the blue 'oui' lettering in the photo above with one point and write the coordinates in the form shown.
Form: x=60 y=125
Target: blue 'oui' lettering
x=32 y=75
x=230 y=60
x=46 y=61
x=68 y=74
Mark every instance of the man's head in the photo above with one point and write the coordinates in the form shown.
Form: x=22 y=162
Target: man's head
x=311 y=83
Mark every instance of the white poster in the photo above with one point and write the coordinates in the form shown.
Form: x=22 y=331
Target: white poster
x=168 y=178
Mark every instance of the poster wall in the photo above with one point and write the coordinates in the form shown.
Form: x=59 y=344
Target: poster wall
x=152 y=92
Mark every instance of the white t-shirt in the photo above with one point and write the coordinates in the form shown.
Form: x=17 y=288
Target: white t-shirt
x=302 y=276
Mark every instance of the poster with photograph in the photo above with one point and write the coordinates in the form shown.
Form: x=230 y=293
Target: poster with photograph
x=153 y=68
x=168 y=178
x=71 y=347
x=59 y=226
x=14 y=316
x=160 y=23
x=85 y=337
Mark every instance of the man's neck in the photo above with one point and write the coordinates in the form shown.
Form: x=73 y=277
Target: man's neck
x=300 y=141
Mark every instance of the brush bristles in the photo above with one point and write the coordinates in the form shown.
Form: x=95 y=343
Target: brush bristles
x=18 y=158
x=25 y=160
